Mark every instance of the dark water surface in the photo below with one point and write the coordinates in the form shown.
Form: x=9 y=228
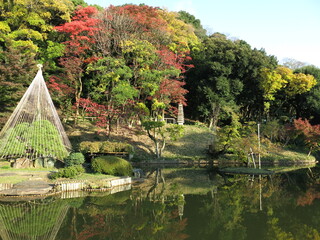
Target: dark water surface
x=286 y=206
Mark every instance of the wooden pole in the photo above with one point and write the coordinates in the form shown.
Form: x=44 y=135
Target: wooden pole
x=260 y=195
x=252 y=156
x=259 y=146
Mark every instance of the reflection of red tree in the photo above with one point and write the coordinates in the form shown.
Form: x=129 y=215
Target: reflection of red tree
x=177 y=227
x=166 y=226
x=308 y=197
x=96 y=228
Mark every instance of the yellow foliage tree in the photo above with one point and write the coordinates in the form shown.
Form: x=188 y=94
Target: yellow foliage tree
x=283 y=78
x=182 y=34
x=271 y=82
x=25 y=23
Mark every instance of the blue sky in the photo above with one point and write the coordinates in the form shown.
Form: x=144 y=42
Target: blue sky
x=284 y=28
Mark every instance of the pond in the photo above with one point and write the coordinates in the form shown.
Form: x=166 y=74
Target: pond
x=285 y=206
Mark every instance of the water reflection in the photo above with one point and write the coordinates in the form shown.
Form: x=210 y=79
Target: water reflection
x=287 y=206
x=24 y=221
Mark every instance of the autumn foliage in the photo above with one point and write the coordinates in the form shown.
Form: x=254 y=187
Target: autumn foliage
x=81 y=29
x=136 y=45
x=105 y=63
x=310 y=133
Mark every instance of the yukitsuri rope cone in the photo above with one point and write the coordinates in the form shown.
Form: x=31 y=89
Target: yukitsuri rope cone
x=32 y=220
x=34 y=129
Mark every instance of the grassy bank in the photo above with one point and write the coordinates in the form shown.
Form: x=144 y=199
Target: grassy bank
x=193 y=145
x=278 y=156
x=286 y=156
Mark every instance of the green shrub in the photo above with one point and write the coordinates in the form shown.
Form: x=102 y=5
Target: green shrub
x=112 y=165
x=90 y=147
x=68 y=172
x=105 y=147
x=40 y=138
x=74 y=159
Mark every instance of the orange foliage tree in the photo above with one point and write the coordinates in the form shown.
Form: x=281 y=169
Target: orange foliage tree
x=311 y=133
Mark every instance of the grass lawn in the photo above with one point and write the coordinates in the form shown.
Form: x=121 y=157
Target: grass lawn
x=192 y=146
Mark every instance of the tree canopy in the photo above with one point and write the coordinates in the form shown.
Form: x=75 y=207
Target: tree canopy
x=125 y=63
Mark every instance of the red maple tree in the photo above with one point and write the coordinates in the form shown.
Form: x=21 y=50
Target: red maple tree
x=311 y=133
x=80 y=30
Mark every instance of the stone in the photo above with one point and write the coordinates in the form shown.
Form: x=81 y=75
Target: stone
x=22 y=163
x=28 y=188
x=138 y=173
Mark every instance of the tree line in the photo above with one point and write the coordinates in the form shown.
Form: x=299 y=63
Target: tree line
x=135 y=62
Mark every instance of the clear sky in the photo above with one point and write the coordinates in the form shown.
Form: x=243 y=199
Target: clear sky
x=284 y=28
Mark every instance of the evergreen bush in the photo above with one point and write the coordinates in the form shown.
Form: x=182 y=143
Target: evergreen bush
x=112 y=165
x=39 y=138
x=68 y=172
x=76 y=158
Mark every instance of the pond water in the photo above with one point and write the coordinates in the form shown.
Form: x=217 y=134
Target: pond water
x=286 y=206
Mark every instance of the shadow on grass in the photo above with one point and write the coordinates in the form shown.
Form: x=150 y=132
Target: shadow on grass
x=193 y=145
x=127 y=135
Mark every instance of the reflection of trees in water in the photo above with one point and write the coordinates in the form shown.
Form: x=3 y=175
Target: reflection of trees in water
x=158 y=178
x=290 y=211
x=126 y=215
x=234 y=211
x=31 y=220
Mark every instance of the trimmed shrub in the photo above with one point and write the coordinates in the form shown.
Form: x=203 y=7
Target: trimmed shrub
x=90 y=147
x=68 y=172
x=111 y=165
x=105 y=147
x=74 y=159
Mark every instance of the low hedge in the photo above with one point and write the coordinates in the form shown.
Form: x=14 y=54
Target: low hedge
x=68 y=172
x=112 y=165
x=105 y=147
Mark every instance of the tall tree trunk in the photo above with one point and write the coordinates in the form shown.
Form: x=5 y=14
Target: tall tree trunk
x=215 y=111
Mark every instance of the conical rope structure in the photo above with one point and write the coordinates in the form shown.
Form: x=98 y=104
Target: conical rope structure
x=34 y=129
x=32 y=221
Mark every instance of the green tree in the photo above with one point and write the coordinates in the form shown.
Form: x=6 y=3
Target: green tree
x=159 y=132
x=248 y=68
x=225 y=79
x=110 y=86
x=142 y=57
x=308 y=103
x=77 y=3
x=212 y=80
x=16 y=73
x=196 y=23
x=157 y=129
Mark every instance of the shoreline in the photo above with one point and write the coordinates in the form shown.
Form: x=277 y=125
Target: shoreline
x=40 y=188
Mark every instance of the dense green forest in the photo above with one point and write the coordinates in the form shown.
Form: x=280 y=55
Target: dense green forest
x=127 y=64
